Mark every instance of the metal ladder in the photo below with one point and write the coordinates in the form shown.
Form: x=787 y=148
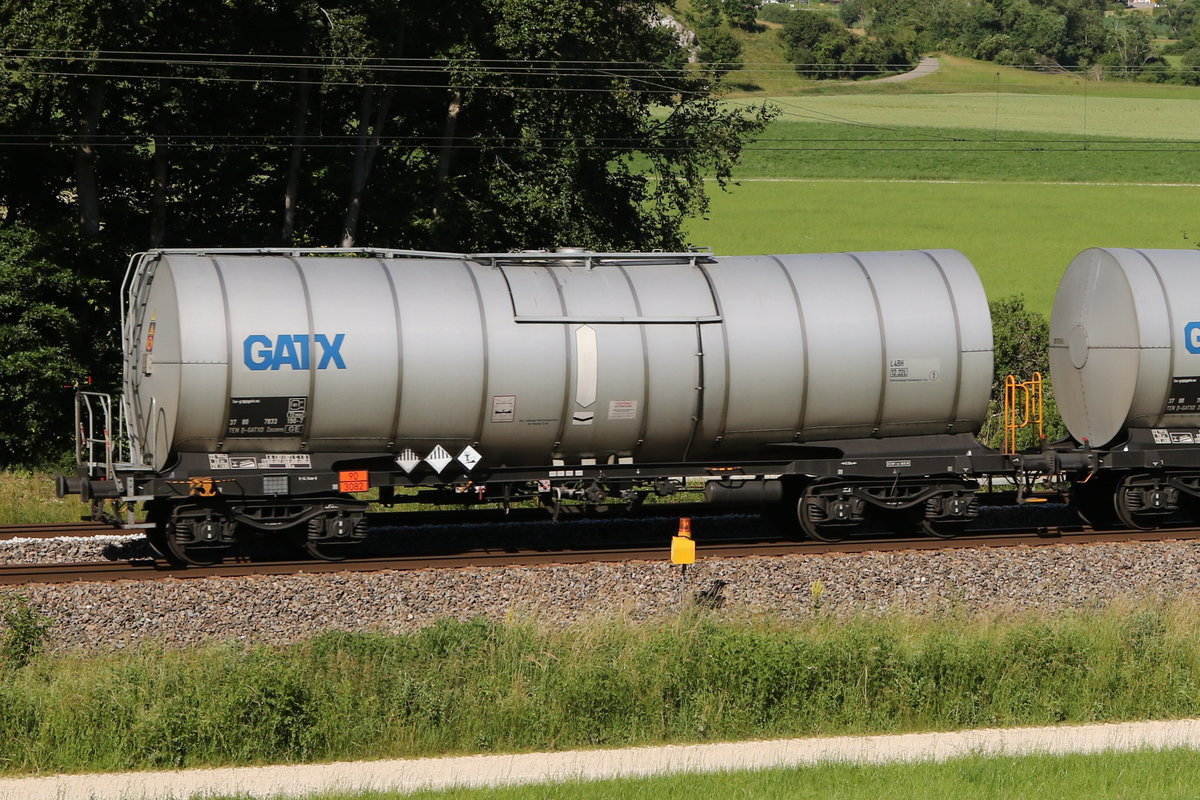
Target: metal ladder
x=1022 y=409
x=97 y=444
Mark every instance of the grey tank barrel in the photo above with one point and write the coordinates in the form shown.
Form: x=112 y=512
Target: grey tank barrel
x=535 y=358
x=1125 y=343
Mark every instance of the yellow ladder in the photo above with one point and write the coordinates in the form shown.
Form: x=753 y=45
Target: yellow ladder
x=1022 y=409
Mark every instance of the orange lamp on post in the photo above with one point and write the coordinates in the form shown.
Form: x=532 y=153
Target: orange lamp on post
x=683 y=547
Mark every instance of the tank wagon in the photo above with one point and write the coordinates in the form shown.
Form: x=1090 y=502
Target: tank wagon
x=1125 y=362
x=266 y=390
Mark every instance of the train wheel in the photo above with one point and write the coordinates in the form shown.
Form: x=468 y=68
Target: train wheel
x=948 y=513
x=1143 y=503
x=177 y=540
x=334 y=536
x=200 y=541
x=828 y=519
x=158 y=540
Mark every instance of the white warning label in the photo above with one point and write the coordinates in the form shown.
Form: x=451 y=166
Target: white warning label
x=286 y=461
x=504 y=407
x=622 y=409
x=914 y=370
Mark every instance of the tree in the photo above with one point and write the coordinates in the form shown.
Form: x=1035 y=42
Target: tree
x=1178 y=16
x=450 y=125
x=741 y=13
x=720 y=51
x=51 y=337
x=1190 y=63
x=1131 y=47
x=1020 y=341
x=1038 y=28
x=815 y=43
x=557 y=162
x=820 y=47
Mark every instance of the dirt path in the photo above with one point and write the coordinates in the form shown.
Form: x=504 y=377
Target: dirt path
x=926 y=66
x=532 y=768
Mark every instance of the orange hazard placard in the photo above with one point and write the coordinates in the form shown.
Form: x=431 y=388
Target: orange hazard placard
x=354 y=480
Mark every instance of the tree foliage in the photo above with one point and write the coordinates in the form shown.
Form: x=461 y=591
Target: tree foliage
x=462 y=126
x=720 y=51
x=1033 y=32
x=1021 y=339
x=821 y=47
x=53 y=331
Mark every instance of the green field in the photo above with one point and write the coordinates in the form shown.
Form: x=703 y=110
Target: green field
x=791 y=149
x=1018 y=170
x=1166 y=775
x=767 y=74
x=1019 y=236
x=1080 y=115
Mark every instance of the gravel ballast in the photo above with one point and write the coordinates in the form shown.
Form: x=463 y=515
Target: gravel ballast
x=282 y=609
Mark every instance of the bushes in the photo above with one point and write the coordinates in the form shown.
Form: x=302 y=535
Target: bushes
x=51 y=315
x=1020 y=341
x=480 y=686
x=24 y=632
x=821 y=47
x=774 y=12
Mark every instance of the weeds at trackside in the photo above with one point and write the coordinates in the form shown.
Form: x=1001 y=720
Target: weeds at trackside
x=479 y=686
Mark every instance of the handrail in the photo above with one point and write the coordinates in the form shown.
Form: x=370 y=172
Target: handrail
x=590 y=259
x=1023 y=407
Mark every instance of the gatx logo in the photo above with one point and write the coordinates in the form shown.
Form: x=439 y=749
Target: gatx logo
x=294 y=351
x=1191 y=337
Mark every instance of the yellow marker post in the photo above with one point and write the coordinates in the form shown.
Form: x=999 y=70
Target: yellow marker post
x=683 y=552
x=683 y=549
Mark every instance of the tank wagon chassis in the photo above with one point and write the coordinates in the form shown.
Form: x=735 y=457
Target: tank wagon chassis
x=826 y=491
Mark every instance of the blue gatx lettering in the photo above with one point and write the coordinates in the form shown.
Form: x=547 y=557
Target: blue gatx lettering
x=294 y=351
x=1191 y=337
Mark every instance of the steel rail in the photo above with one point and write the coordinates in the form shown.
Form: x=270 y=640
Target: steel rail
x=384 y=519
x=54 y=530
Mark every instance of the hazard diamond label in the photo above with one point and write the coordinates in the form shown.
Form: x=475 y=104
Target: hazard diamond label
x=469 y=457
x=439 y=458
x=407 y=460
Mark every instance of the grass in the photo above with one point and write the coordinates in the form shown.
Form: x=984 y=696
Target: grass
x=1164 y=775
x=1020 y=236
x=1082 y=116
x=968 y=158
x=791 y=149
x=28 y=496
x=468 y=687
x=767 y=74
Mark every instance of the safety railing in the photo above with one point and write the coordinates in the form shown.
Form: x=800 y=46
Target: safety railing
x=100 y=438
x=1023 y=408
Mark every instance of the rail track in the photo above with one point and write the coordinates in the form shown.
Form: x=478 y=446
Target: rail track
x=54 y=530
x=85 y=528
x=152 y=569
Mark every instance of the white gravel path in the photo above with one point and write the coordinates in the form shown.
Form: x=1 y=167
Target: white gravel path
x=531 y=768
x=926 y=66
